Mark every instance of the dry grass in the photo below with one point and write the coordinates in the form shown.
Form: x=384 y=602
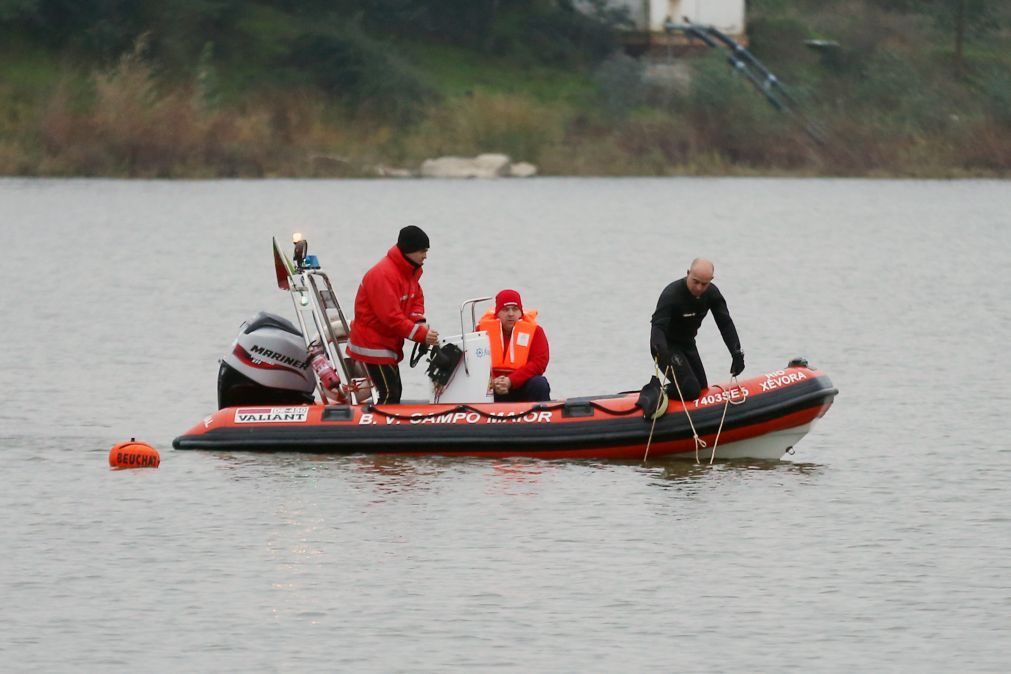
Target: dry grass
x=130 y=124
x=514 y=125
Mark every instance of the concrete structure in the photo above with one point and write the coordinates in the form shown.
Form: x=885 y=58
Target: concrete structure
x=649 y=17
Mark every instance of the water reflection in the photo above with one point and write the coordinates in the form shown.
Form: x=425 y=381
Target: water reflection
x=387 y=478
x=256 y=465
x=686 y=475
x=395 y=475
x=521 y=477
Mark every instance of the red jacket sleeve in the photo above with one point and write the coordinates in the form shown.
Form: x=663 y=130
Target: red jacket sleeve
x=384 y=298
x=537 y=361
x=417 y=314
x=418 y=305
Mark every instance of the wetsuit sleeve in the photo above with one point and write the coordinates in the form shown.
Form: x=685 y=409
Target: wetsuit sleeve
x=383 y=297
x=664 y=308
x=726 y=324
x=537 y=360
x=658 y=325
x=658 y=346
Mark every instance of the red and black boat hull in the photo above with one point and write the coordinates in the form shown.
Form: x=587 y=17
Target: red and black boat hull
x=603 y=427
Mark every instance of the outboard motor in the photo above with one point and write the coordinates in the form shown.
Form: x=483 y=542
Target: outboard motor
x=268 y=365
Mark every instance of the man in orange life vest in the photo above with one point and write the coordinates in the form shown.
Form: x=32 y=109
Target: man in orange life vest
x=390 y=308
x=519 y=350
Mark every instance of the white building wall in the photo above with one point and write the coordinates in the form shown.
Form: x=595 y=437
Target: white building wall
x=649 y=15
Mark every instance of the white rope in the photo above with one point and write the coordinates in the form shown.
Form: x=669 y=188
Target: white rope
x=699 y=442
x=716 y=442
x=726 y=404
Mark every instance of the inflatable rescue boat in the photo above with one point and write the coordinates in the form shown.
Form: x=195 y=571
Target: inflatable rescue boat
x=271 y=397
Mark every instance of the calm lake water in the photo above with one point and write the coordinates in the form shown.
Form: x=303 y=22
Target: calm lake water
x=882 y=544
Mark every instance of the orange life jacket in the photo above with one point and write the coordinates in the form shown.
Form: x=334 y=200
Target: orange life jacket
x=506 y=358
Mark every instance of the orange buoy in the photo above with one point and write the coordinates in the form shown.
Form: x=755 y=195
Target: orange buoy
x=134 y=454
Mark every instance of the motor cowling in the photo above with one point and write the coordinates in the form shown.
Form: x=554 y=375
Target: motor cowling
x=268 y=364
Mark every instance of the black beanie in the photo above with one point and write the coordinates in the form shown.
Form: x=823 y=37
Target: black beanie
x=412 y=239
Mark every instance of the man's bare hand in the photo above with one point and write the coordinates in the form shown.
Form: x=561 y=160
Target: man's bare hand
x=501 y=385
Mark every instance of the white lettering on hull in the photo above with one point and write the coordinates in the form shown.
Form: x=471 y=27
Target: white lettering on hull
x=271 y=415
x=733 y=395
x=461 y=417
x=779 y=379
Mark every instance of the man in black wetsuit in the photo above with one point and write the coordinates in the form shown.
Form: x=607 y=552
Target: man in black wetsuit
x=679 y=313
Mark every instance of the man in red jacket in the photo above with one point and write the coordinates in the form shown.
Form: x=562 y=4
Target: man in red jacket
x=390 y=308
x=519 y=350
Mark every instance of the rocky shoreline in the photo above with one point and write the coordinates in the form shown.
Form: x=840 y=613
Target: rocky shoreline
x=482 y=166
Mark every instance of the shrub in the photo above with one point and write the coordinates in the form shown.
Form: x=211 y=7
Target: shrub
x=350 y=66
x=995 y=85
x=619 y=85
x=779 y=43
x=514 y=125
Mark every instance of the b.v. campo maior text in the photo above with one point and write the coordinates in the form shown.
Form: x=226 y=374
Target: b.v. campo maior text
x=459 y=417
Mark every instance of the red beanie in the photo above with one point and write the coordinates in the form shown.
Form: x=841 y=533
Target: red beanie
x=507 y=296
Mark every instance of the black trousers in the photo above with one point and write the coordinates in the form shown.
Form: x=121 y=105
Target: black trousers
x=535 y=390
x=686 y=365
x=386 y=385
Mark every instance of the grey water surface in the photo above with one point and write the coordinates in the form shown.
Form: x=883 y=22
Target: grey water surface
x=882 y=544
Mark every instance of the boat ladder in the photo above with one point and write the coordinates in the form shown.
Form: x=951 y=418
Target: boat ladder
x=316 y=304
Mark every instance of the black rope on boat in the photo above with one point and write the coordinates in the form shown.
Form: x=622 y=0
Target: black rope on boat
x=537 y=407
x=465 y=408
x=624 y=413
x=407 y=417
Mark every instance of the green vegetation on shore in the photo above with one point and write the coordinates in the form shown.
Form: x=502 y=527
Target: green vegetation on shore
x=314 y=88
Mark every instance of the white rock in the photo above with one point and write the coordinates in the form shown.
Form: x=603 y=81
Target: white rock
x=482 y=166
x=522 y=169
x=393 y=172
x=495 y=163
